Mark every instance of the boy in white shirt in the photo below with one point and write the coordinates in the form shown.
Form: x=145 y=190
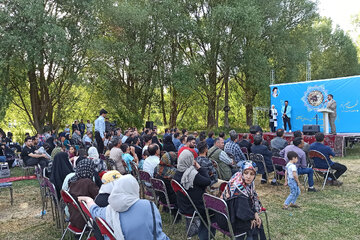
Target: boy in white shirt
x=291 y=179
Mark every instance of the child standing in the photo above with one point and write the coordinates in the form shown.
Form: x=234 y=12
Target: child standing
x=291 y=179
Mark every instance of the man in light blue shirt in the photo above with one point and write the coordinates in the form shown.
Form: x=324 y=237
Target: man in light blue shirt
x=100 y=130
x=286 y=115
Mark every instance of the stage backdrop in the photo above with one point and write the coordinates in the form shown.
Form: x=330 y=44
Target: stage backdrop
x=305 y=98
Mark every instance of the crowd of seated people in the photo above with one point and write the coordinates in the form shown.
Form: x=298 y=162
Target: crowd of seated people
x=78 y=162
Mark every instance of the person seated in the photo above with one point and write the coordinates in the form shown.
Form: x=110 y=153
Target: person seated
x=189 y=145
x=129 y=155
x=224 y=163
x=234 y=149
x=210 y=140
x=153 y=160
x=243 y=204
x=108 y=180
x=195 y=180
x=76 y=137
x=306 y=146
x=301 y=164
x=176 y=141
x=129 y=216
x=278 y=143
x=245 y=142
x=168 y=144
x=258 y=148
x=87 y=139
x=100 y=165
x=29 y=156
x=61 y=167
x=206 y=163
x=116 y=154
x=82 y=184
x=183 y=139
x=329 y=154
x=165 y=171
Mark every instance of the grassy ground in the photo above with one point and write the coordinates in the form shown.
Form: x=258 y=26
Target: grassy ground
x=330 y=214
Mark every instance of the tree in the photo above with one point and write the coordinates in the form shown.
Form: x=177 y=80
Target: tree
x=43 y=50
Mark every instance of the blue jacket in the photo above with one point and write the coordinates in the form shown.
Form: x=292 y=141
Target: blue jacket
x=288 y=111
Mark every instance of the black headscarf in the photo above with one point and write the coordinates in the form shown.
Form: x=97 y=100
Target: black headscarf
x=61 y=167
x=84 y=169
x=50 y=141
x=169 y=145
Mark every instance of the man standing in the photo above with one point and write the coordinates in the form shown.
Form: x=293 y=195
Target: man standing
x=82 y=127
x=331 y=104
x=286 y=115
x=301 y=164
x=100 y=130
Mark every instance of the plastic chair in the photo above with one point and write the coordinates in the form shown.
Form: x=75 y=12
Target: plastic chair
x=259 y=159
x=245 y=152
x=145 y=180
x=321 y=171
x=69 y=200
x=222 y=187
x=56 y=210
x=25 y=168
x=219 y=206
x=105 y=229
x=159 y=186
x=179 y=189
x=9 y=186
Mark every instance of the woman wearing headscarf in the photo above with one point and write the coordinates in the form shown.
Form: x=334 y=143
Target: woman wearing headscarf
x=108 y=180
x=129 y=216
x=81 y=184
x=273 y=118
x=195 y=180
x=61 y=167
x=168 y=144
x=51 y=143
x=243 y=204
x=165 y=171
x=93 y=154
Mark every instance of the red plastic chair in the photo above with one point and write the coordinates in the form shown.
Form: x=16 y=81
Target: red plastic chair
x=245 y=152
x=179 y=189
x=222 y=187
x=218 y=205
x=105 y=229
x=69 y=200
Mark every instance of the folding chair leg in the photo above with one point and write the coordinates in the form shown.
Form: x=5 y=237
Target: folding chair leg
x=11 y=196
x=192 y=219
x=326 y=177
x=172 y=228
x=62 y=237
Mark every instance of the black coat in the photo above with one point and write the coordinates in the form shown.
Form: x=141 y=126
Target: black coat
x=169 y=145
x=201 y=181
x=60 y=169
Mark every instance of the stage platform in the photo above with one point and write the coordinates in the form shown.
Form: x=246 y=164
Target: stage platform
x=339 y=143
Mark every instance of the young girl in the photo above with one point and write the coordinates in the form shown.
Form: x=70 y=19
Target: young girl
x=291 y=179
x=243 y=204
x=72 y=154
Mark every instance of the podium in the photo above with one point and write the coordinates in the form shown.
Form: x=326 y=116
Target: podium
x=325 y=112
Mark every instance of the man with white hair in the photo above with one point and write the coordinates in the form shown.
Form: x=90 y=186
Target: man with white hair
x=234 y=149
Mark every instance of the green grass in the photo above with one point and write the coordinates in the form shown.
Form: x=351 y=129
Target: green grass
x=330 y=214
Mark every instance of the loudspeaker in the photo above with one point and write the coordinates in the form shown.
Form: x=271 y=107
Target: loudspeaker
x=311 y=129
x=149 y=124
x=255 y=128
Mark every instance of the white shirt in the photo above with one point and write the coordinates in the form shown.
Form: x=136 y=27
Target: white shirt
x=100 y=126
x=290 y=167
x=145 y=148
x=150 y=163
x=89 y=127
x=124 y=138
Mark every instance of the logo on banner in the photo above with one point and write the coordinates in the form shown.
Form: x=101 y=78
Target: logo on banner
x=314 y=97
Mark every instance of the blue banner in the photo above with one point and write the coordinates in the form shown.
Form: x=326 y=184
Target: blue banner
x=305 y=98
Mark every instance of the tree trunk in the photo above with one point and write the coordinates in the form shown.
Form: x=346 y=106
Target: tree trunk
x=163 y=104
x=173 y=108
x=226 y=82
x=249 y=114
x=211 y=97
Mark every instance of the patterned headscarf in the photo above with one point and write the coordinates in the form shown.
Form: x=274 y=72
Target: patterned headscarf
x=237 y=186
x=166 y=168
x=84 y=169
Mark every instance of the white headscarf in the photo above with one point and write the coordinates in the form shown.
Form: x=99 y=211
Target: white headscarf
x=93 y=153
x=124 y=194
x=186 y=165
